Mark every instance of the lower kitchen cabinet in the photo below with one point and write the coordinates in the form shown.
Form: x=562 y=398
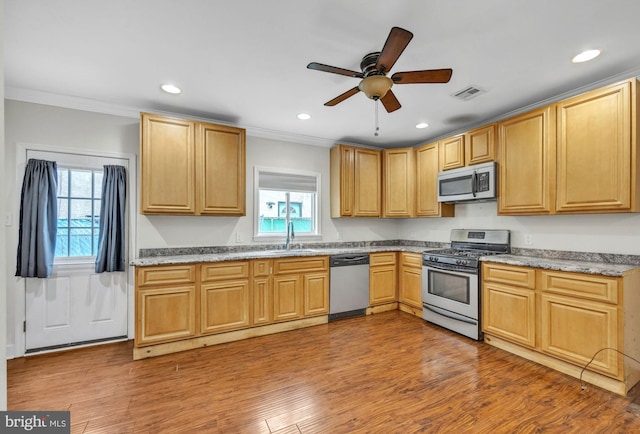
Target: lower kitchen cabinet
x=410 y=279
x=224 y=296
x=509 y=303
x=262 y=290
x=383 y=278
x=564 y=320
x=287 y=297
x=165 y=304
x=185 y=306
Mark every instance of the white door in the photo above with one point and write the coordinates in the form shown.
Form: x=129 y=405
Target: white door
x=74 y=306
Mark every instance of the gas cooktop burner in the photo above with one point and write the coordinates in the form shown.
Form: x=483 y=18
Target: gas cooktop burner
x=469 y=245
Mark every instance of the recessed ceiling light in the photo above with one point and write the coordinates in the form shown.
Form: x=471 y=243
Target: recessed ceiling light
x=586 y=56
x=170 y=88
x=304 y=116
x=422 y=125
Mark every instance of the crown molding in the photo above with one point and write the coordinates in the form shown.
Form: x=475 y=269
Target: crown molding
x=102 y=107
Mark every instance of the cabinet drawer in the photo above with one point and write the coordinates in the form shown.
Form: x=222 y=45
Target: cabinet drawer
x=261 y=267
x=581 y=285
x=166 y=275
x=510 y=275
x=301 y=265
x=224 y=271
x=413 y=260
x=382 y=258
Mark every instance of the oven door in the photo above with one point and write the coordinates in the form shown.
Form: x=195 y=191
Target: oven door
x=454 y=291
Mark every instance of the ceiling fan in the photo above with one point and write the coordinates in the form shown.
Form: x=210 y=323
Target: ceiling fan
x=375 y=84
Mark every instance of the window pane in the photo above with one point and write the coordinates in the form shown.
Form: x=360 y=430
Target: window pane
x=96 y=233
x=81 y=212
x=62 y=242
x=272 y=211
x=302 y=209
x=96 y=212
x=97 y=184
x=80 y=242
x=80 y=183
x=63 y=182
x=63 y=213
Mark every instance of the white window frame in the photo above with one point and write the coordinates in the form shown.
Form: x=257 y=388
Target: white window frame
x=256 y=205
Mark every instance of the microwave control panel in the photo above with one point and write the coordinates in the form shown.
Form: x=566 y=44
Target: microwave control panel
x=483 y=181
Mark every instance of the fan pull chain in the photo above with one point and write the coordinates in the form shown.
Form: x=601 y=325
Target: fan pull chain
x=375 y=103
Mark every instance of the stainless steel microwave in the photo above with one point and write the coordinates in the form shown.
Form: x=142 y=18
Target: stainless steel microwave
x=468 y=183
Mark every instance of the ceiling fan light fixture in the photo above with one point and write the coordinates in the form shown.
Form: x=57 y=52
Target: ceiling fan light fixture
x=422 y=125
x=303 y=116
x=375 y=86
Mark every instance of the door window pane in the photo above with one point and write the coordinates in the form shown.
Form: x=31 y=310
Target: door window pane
x=78 y=212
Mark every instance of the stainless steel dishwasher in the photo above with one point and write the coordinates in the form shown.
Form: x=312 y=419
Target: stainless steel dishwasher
x=349 y=285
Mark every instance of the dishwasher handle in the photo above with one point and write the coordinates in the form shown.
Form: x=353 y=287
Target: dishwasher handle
x=347 y=260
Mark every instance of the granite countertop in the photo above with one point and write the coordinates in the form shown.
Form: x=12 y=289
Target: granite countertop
x=270 y=254
x=576 y=266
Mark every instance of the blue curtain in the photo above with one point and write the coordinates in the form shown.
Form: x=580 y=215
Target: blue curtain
x=111 y=242
x=38 y=219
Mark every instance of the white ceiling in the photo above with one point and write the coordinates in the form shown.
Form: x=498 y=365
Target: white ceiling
x=243 y=62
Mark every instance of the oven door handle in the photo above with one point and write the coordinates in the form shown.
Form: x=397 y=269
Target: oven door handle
x=440 y=312
x=452 y=270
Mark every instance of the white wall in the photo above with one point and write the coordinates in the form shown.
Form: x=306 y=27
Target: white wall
x=603 y=233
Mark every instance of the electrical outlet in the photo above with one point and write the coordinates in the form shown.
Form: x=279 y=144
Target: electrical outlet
x=8 y=219
x=238 y=237
x=339 y=235
x=528 y=239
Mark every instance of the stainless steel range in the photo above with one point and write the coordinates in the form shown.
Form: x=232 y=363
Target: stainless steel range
x=450 y=279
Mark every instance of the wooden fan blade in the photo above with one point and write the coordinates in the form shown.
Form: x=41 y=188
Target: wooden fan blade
x=334 y=70
x=426 y=76
x=397 y=41
x=390 y=102
x=342 y=97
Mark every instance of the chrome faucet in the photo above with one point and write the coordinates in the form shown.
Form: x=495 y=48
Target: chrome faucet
x=290 y=236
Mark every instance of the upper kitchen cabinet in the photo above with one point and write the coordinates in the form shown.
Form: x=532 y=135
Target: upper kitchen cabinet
x=167 y=159
x=220 y=181
x=526 y=166
x=480 y=145
x=398 y=175
x=474 y=147
x=355 y=182
x=427 y=167
x=191 y=168
x=452 y=152
x=596 y=151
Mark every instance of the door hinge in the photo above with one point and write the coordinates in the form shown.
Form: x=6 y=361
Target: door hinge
x=24 y=326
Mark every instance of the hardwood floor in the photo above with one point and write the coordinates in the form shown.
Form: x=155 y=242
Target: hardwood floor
x=385 y=373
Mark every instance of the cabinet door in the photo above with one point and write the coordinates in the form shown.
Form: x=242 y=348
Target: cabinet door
x=574 y=330
x=262 y=300
x=367 y=185
x=527 y=163
x=287 y=297
x=167 y=169
x=316 y=294
x=410 y=281
x=165 y=314
x=452 y=152
x=480 y=145
x=224 y=306
x=399 y=182
x=221 y=170
x=383 y=278
x=594 y=151
x=342 y=181
x=427 y=167
x=509 y=312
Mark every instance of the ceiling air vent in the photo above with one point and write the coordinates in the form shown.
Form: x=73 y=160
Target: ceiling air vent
x=468 y=92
